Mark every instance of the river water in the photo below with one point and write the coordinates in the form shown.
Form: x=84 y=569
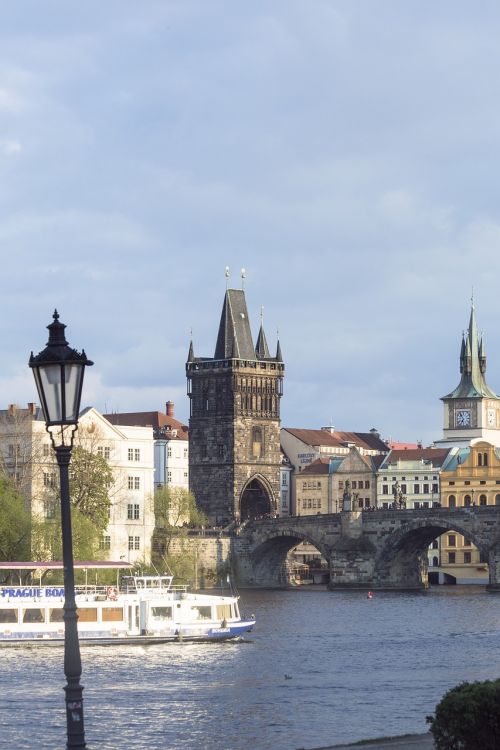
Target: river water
x=320 y=668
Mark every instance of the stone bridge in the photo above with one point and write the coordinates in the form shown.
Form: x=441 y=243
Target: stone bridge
x=383 y=549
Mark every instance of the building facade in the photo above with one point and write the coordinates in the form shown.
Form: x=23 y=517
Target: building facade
x=171 y=443
x=28 y=459
x=234 y=455
x=303 y=447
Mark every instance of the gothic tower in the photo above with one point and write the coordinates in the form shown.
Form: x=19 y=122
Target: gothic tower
x=472 y=410
x=234 y=425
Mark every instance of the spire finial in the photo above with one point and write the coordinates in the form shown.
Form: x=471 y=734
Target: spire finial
x=243 y=276
x=262 y=315
x=472 y=298
x=226 y=274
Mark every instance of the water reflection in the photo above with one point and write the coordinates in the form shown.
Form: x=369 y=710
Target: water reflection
x=320 y=668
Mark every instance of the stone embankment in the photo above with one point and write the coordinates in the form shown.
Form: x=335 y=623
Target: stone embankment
x=405 y=742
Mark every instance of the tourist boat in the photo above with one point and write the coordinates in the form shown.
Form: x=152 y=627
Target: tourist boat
x=139 y=609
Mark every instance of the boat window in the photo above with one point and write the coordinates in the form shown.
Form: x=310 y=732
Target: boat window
x=112 y=614
x=87 y=614
x=203 y=613
x=8 y=615
x=161 y=613
x=33 y=615
x=56 y=615
x=223 y=611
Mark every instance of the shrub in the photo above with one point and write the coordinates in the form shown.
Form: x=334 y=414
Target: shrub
x=468 y=717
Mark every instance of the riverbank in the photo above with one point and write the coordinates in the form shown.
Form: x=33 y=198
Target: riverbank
x=405 y=742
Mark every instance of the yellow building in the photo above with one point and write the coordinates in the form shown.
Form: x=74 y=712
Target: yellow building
x=470 y=477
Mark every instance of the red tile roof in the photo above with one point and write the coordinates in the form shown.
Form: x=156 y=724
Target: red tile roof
x=160 y=422
x=320 y=466
x=436 y=455
x=366 y=440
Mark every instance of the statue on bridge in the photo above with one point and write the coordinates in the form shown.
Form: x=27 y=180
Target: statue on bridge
x=346 y=497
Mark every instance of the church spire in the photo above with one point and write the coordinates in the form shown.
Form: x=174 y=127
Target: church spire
x=472 y=364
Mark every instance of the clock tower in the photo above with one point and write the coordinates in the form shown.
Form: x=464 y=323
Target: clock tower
x=472 y=410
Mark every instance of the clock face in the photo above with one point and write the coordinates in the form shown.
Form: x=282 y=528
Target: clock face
x=463 y=418
x=491 y=417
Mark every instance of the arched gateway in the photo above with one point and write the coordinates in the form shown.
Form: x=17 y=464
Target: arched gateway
x=255 y=501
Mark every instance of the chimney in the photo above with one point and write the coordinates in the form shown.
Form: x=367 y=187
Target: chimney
x=170 y=408
x=12 y=409
x=32 y=408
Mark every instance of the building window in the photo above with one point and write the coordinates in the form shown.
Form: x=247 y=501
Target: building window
x=385 y=489
x=105 y=542
x=169 y=476
x=497 y=499
x=134 y=542
x=341 y=485
x=435 y=562
x=451 y=558
x=452 y=540
x=354 y=485
x=403 y=489
x=284 y=480
x=482 y=499
x=416 y=489
x=452 y=501
x=435 y=489
x=133 y=511
x=435 y=544
x=130 y=454
x=467 y=501
x=367 y=484
x=467 y=557
x=467 y=542
x=49 y=509
x=49 y=479
x=137 y=454
x=104 y=451
x=134 y=483
x=185 y=452
x=426 y=489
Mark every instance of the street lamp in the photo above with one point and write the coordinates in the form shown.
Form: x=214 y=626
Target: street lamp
x=58 y=372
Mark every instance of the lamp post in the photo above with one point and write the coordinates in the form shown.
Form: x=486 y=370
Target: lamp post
x=58 y=372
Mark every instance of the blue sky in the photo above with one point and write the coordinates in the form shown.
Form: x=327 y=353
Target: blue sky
x=345 y=153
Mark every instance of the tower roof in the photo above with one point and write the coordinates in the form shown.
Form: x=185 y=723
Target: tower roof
x=235 y=337
x=261 y=346
x=472 y=365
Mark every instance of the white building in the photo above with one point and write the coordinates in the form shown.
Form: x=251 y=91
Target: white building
x=171 y=446
x=28 y=459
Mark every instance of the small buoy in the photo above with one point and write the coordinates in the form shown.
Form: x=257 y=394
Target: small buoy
x=370 y=595
x=288 y=677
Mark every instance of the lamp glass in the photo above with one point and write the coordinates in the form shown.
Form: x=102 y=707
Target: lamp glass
x=59 y=387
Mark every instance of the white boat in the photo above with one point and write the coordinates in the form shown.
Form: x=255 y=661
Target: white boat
x=141 y=609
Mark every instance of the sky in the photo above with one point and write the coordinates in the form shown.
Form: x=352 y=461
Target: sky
x=346 y=153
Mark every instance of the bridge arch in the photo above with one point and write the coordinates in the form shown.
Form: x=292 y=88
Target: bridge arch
x=269 y=555
x=256 y=499
x=402 y=558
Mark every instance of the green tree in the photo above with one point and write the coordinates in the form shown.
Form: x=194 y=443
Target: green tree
x=90 y=480
x=175 y=512
x=15 y=524
x=47 y=537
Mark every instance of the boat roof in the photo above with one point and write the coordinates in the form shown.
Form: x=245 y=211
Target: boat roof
x=56 y=565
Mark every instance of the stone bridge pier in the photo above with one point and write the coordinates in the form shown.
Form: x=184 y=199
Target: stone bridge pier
x=367 y=550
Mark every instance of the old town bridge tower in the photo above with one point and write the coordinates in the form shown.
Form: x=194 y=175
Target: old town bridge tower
x=234 y=424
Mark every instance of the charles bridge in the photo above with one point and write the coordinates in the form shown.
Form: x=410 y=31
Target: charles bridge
x=382 y=549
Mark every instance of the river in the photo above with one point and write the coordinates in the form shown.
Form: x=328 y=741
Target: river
x=320 y=668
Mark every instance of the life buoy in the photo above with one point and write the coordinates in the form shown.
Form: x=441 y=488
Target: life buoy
x=112 y=593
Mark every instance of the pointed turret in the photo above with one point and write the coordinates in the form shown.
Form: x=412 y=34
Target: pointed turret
x=191 y=352
x=235 y=337
x=472 y=365
x=261 y=346
x=279 y=356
